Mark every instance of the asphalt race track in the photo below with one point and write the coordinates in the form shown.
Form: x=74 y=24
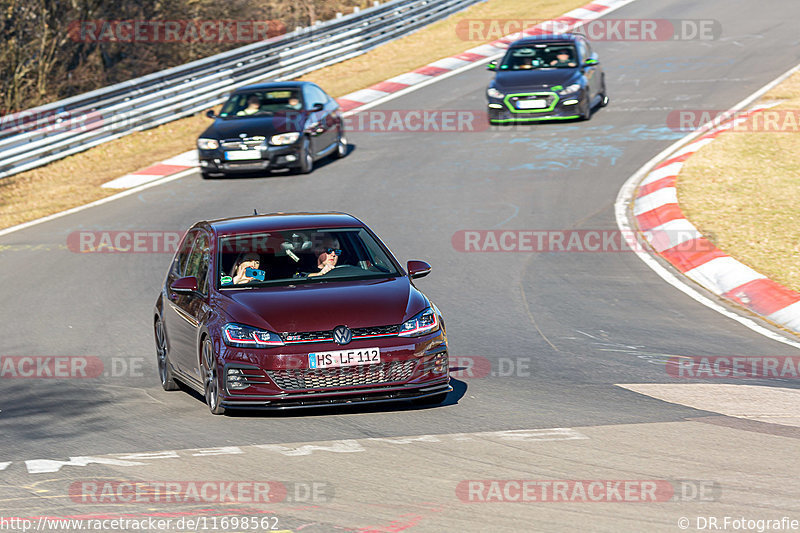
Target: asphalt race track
x=559 y=330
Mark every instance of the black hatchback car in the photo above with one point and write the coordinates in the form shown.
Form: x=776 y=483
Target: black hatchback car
x=272 y=125
x=546 y=77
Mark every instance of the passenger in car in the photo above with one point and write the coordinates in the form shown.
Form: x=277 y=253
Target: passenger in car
x=563 y=59
x=249 y=260
x=253 y=106
x=327 y=256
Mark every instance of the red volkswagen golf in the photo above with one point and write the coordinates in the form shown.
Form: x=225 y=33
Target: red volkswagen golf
x=297 y=310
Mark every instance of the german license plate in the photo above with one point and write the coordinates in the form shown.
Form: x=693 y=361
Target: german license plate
x=242 y=155
x=363 y=356
x=531 y=104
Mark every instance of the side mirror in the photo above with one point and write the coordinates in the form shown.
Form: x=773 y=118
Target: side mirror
x=492 y=65
x=318 y=107
x=210 y=114
x=418 y=269
x=185 y=285
x=590 y=62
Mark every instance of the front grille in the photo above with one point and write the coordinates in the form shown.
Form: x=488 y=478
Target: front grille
x=327 y=336
x=298 y=379
x=376 y=330
x=236 y=144
x=549 y=98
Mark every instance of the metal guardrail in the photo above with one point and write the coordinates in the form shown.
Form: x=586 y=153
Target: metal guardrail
x=38 y=136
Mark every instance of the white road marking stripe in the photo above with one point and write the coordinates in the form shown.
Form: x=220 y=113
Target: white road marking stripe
x=691 y=148
x=722 y=274
x=409 y=78
x=449 y=63
x=130 y=180
x=366 y=95
x=47 y=466
x=670 y=170
x=341 y=446
x=789 y=316
x=299 y=449
x=486 y=50
x=656 y=199
x=671 y=234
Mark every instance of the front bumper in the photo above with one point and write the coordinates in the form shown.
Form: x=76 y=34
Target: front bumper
x=279 y=378
x=284 y=156
x=511 y=108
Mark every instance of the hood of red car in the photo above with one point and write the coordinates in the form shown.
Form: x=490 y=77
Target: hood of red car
x=323 y=306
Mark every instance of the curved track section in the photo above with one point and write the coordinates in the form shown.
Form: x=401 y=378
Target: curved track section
x=548 y=335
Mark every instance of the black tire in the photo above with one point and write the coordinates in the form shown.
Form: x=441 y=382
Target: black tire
x=604 y=94
x=586 y=113
x=211 y=378
x=162 y=354
x=436 y=399
x=306 y=158
x=341 y=144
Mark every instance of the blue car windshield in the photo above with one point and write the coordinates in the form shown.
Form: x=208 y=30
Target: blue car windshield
x=540 y=56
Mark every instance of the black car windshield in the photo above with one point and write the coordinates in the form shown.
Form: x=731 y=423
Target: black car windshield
x=540 y=56
x=260 y=103
x=301 y=256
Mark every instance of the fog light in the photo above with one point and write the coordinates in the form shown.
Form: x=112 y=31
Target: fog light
x=440 y=363
x=291 y=158
x=203 y=163
x=236 y=379
x=570 y=102
x=496 y=106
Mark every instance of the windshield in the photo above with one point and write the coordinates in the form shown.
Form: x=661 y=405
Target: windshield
x=540 y=56
x=260 y=103
x=303 y=256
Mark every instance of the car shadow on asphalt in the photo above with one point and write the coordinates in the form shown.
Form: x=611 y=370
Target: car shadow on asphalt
x=320 y=163
x=458 y=392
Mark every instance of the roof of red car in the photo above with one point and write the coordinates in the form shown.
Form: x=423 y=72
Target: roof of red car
x=282 y=221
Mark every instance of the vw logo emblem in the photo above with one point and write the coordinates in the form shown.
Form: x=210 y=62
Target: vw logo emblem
x=342 y=335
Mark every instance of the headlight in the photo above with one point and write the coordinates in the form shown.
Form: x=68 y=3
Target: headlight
x=249 y=337
x=424 y=322
x=284 y=138
x=207 y=144
x=491 y=92
x=575 y=87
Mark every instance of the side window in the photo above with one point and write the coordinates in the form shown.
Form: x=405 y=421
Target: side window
x=179 y=263
x=588 y=49
x=316 y=95
x=197 y=264
x=582 y=51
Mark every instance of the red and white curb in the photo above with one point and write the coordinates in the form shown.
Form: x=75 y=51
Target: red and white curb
x=380 y=92
x=674 y=238
x=160 y=170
